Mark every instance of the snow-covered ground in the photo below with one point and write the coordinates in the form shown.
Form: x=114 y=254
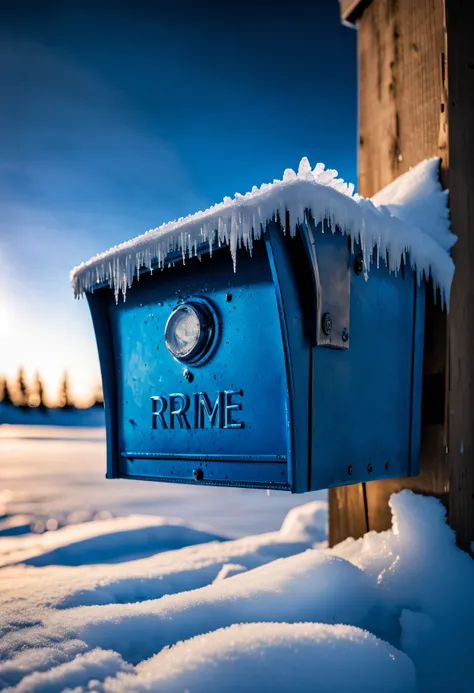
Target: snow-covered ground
x=51 y=417
x=117 y=603
x=58 y=474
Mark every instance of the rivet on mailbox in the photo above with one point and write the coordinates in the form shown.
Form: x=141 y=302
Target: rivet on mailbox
x=298 y=366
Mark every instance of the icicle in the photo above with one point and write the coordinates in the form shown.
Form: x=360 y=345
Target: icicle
x=238 y=221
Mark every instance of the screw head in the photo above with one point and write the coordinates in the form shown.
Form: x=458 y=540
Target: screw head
x=198 y=474
x=349 y=469
x=187 y=375
x=369 y=468
x=345 y=335
x=327 y=324
x=387 y=465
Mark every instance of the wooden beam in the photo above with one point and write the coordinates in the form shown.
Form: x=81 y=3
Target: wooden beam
x=351 y=10
x=460 y=22
x=401 y=44
x=347 y=513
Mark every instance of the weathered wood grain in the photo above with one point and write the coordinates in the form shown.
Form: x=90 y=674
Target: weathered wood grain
x=347 y=513
x=400 y=43
x=402 y=120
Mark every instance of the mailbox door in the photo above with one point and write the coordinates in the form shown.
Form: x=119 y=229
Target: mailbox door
x=235 y=426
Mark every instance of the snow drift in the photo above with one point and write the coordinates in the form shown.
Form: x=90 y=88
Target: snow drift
x=281 y=657
x=103 y=541
x=391 y=611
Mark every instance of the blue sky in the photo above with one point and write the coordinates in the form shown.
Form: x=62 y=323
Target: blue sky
x=117 y=117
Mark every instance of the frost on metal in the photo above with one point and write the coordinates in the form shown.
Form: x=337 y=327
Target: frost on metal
x=406 y=221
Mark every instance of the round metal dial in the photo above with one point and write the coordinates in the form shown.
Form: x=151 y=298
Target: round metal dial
x=189 y=331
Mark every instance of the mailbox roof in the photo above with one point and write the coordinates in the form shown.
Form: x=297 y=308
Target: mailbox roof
x=407 y=219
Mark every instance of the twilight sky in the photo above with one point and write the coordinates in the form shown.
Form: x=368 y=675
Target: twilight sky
x=117 y=117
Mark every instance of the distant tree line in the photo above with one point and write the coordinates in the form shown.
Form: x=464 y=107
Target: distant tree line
x=26 y=395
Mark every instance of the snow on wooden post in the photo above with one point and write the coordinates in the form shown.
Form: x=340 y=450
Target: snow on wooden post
x=403 y=118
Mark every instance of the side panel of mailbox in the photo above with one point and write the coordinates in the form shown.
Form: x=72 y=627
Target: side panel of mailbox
x=367 y=400
x=99 y=303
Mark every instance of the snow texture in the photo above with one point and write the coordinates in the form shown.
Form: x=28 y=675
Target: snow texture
x=102 y=541
x=91 y=666
x=281 y=657
x=392 y=611
x=167 y=573
x=407 y=221
x=417 y=197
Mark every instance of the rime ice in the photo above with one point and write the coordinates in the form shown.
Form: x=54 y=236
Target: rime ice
x=408 y=220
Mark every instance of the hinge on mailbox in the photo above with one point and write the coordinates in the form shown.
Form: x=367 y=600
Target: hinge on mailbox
x=329 y=258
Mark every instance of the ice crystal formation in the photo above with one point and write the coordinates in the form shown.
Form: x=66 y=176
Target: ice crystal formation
x=408 y=221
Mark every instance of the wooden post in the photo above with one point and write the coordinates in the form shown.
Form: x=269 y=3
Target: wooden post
x=403 y=118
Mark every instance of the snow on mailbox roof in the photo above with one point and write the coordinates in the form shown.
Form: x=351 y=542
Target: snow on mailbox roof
x=408 y=218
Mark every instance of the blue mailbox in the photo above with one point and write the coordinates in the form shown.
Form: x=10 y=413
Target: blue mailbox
x=298 y=369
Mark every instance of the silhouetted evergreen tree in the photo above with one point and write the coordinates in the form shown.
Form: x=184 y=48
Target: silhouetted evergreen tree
x=5 y=394
x=22 y=389
x=65 y=394
x=40 y=391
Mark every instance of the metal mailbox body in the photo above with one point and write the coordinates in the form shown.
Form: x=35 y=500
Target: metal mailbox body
x=278 y=403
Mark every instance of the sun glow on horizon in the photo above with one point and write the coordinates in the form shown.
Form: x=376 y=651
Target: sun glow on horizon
x=40 y=341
